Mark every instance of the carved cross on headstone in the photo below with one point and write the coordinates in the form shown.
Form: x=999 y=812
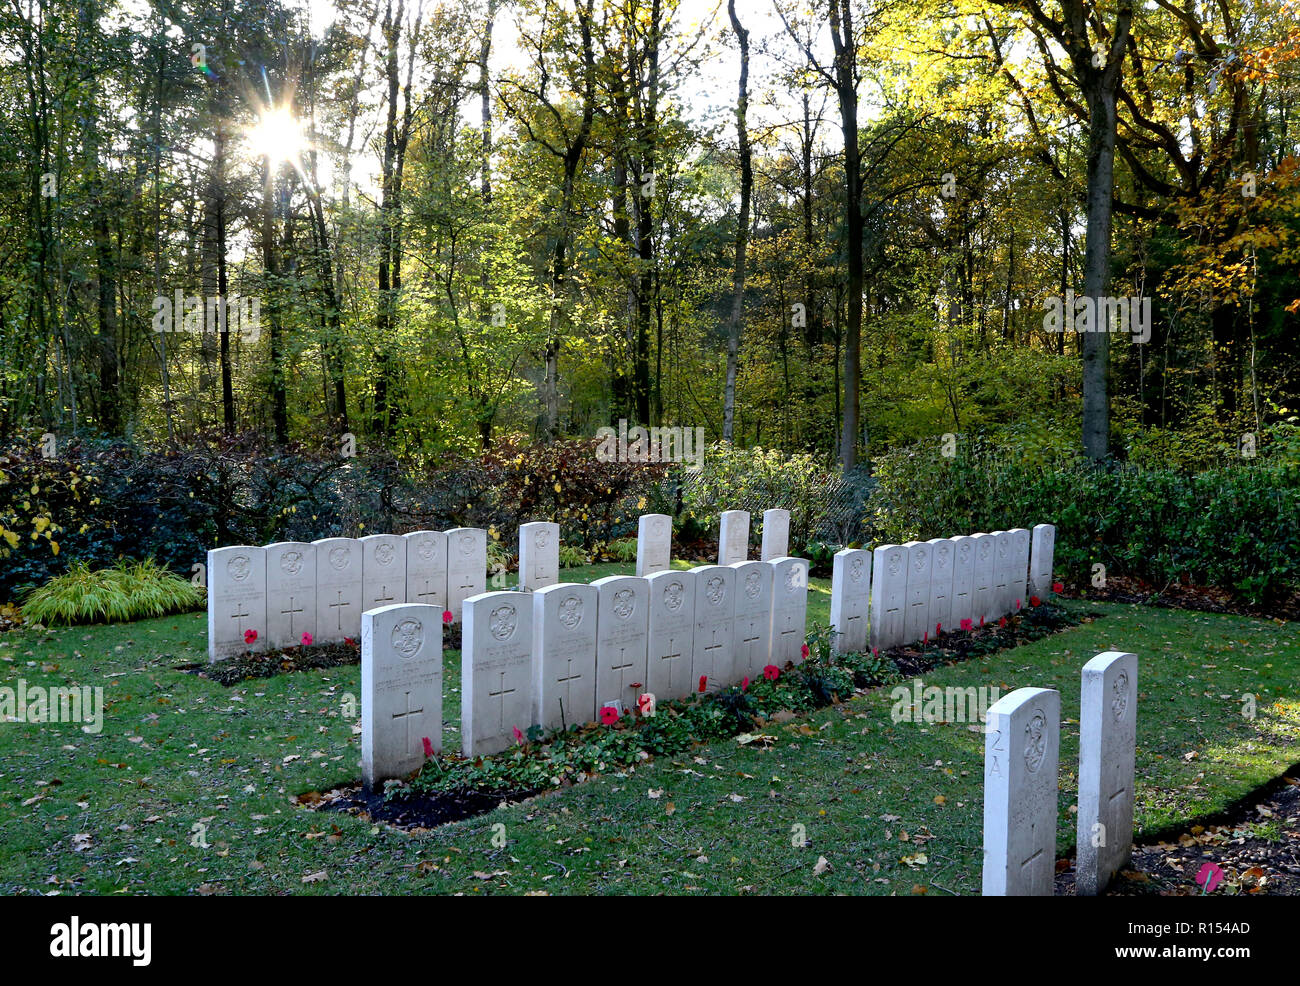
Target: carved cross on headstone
x=427 y=595
x=238 y=616
x=407 y=716
x=715 y=645
x=670 y=657
x=289 y=613
x=501 y=693
x=384 y=596
x=338 y=609
x=567 y=680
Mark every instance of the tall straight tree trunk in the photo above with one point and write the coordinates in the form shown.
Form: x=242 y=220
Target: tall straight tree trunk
x=570 y=161
x=219 y=178
x=1096 y=69
x=846 y=89
x=385 y=319
x=1096 y=274
x=271 y=270
x=645 y=216
x=485 y=107
x=742 y=227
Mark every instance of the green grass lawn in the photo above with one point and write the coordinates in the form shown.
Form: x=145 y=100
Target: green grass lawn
x=891 y=807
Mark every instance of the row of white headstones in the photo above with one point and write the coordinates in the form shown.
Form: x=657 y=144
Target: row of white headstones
x=914 y=591
x=278 y=595
x=1021 y=749
x=567 y=653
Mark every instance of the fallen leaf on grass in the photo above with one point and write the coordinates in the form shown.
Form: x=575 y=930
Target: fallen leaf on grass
x=317 y=877
x=822 y=866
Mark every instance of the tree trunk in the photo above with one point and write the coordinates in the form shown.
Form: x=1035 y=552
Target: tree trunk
x=742 y=227
x=841 y=16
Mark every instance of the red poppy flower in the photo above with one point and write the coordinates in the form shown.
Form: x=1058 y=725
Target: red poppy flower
x=428 y=747
x=608 y=715
x=875 y=652
x=981 y=621
x=1035 y=601
x=771 y=672
x=938 y=629
x=1002 y=621
x=744 y=683
x=307 y=638
x=349 y=641
x=446 y=616
x=967 y=624
x=1017 y=604
x=1209 y=876
x=704 y=681
x=804 y=650
x=1058 y=586
x=646 y=703
x=250 y=636
x=519 y=736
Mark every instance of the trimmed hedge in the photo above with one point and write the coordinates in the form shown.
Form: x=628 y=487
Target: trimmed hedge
x=1235 y=527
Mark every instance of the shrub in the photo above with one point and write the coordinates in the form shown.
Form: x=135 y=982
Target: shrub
x=127 y=591
x=571 y=557
x=823 y=504
x=1236 y=527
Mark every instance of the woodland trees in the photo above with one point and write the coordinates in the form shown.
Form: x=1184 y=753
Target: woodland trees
x=830 y=228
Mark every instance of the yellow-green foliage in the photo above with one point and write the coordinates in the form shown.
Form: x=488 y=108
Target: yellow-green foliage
x=622 y=549
x=127 y=591
x=572 y=557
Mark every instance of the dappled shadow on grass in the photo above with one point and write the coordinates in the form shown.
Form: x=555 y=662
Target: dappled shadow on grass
x=1167 y=861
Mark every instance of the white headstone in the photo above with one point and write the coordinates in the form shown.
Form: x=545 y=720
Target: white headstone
x=888 y=595
x=236 y=600
x=622 y=608
x=982 y=600
x=401 y=689
x=1003 y=568
x=383 y=570
x=963 y=581
x=654 y=544
x=466 y=567
x=1021 y=744
x=753 y=619
x=338 y=589
x=426 y=568
x=1019 y=569
x=1107 y=746
x=564 y=655
x=715 y=627
x=776 y=534
x=496 y=688
x=290 y=593
x=917 y=625
x=733 y=537
x=850 y=599
x=672 y=633
x=789 y=609
x=1042 y=554
x=539 y=554
x=941 y=573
